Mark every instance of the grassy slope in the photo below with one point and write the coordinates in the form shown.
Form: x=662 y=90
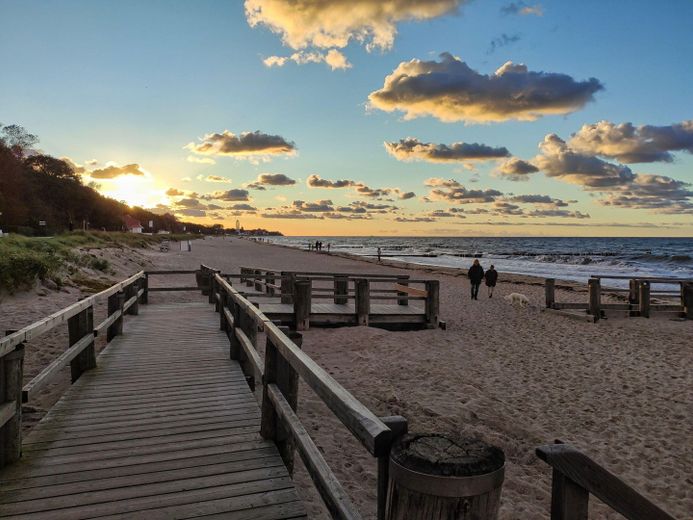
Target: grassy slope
x=25 y=259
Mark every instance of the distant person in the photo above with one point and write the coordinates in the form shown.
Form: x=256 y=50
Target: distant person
x=379 y=255
x=491 y=278
x=328 y=247
x=475 y=274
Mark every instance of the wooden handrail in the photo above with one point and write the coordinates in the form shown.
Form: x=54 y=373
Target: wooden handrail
x=576 y=475
x=34 y=330
x=412 y=291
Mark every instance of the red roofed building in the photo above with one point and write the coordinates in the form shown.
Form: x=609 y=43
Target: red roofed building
x=132 y=225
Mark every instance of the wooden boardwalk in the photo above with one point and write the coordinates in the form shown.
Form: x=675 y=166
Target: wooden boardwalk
x=165 y=427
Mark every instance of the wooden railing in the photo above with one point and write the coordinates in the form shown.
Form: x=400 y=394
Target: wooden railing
x=342 y=288
x=640 y=293
x=283 y=365
x=122 y=298
x=576 y=476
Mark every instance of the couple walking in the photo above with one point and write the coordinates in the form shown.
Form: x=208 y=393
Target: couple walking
x=476 y=274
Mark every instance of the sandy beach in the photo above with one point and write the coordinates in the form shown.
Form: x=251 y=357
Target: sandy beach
x=620 y=390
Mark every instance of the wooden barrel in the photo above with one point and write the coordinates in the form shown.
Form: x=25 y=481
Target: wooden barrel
x=434 y=477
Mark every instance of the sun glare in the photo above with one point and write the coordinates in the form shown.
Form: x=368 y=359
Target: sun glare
x=133 y=191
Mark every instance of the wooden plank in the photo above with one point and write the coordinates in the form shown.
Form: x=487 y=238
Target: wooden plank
x=412 y=291
x=250 y=352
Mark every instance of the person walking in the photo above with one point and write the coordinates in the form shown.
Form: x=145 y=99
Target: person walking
x=475 y=274
x=491 y=278
x=378 y=255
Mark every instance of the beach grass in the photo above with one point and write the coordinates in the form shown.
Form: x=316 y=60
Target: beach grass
x=23 y=260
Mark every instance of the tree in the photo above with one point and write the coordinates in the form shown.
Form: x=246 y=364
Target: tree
x=17 y=139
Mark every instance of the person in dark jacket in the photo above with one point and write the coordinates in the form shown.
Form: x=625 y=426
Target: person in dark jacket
x=491 y=277
x=475 y=274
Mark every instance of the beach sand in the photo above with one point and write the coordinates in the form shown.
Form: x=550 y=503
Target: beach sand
x=620 y=390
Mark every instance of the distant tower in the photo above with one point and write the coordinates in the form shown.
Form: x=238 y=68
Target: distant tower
x=238 y=226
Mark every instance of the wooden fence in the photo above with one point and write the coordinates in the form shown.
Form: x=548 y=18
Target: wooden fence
x=283 y=365
x=640 y=294
x=343 y=288
x=122 y=298
x=576 y=476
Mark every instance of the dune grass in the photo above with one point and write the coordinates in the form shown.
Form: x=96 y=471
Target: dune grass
x=23 y=260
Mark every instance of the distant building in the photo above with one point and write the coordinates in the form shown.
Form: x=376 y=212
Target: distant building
x=132 y=225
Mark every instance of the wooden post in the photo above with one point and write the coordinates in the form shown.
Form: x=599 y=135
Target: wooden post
x=79 y=326
x=687 y=289
x=212 y=288
x=595 y=294
x=115 y=303
x=145 y=287
x=302 y=304
x=341 y=289
x=398 y=425
x=258 y=280
x=550 y=292
x=249 y=279
x=432 y=307
x=287 y=287
x=269 y=281
x=645 y=299
x=287 y=382
x=11 y=375
x=363 y=301
x=234 y=344
x=634 y=296
x=402 y=297
x=222 y=306
x=130 y=291
x=203 y=281
x=569 y=501
x=438 y=478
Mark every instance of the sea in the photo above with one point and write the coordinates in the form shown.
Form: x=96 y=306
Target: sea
x=563 y=258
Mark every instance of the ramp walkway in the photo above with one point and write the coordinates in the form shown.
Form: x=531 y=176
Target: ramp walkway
x=164 y=427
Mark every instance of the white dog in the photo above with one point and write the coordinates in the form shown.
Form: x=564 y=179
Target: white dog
x=517 y=298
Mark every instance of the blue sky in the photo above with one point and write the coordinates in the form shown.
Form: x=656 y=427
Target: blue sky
x=134 y=82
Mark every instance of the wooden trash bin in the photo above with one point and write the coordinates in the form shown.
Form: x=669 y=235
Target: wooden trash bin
x=433 y=477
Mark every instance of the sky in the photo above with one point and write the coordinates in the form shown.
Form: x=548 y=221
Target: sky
x=367 y=117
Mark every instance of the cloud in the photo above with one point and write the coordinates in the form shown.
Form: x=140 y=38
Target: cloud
x=292 y=215
x=270 y=179
x=242 y=207
x=562 y=213
x=415 y=219
x=314 y=181
x=113 y=171
x=200 y=160
x=502 y=41
x=247 y=145
x=411 y=149
x=516 y=169
x=451 y=91
x=521 y=8
x=174 y=192
x=333 y=58
x=229 y=195
x=537 y=199
x=313 y=207
x=452 y=192
x=656 y=193
x=214 y=178
x=327 y=24
x=634 y=144
x=557 y=159
x=190 y=203
x=192 y=212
